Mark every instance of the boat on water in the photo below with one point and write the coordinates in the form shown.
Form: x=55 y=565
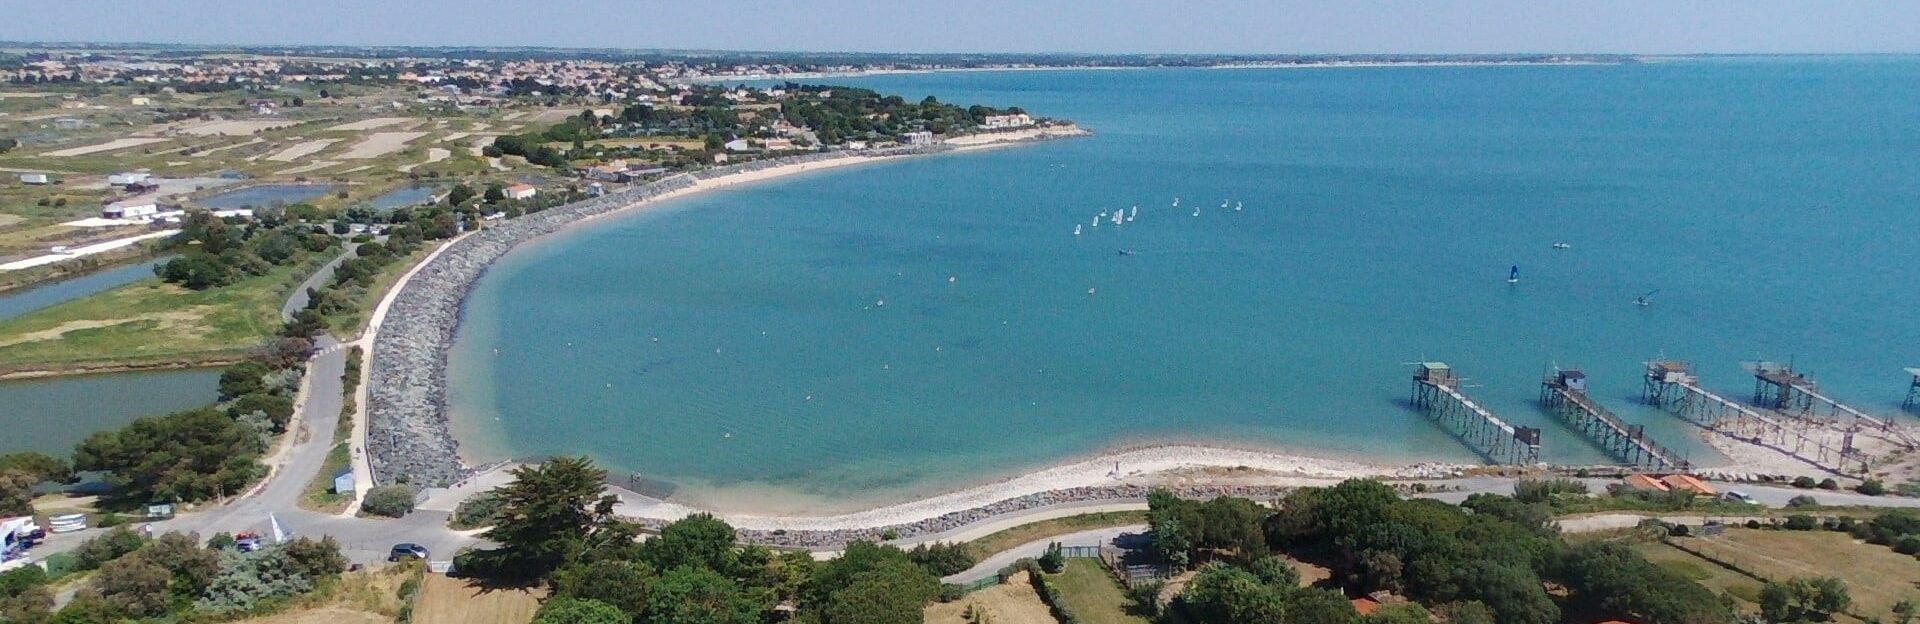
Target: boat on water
x=1176 y=201
x=1561 y=245
x=1513 y=275
x=1646 y=299
x=1238 y=205
x=1126 y=252
x=1076 y=229
x=1223 y=203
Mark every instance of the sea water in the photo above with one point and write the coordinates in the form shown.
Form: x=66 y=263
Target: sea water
x=875 y=333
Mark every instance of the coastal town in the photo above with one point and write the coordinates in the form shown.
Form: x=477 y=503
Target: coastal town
x=305 y=228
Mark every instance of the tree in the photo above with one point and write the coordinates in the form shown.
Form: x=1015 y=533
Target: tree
x=547 y=516
x=1275 y=572
x=1802 y=501
x=1830 y=595
x=191 y=567
x=1320 y=606
x=134 y=587
x=1470 y=612
x=1776 y=602
x=16 y=493
x=567 y=610
x=244 y=378
x=495 y=193
x=1905 y=609
x=859 y=558
x=878 y=597
x=39 y=465
x=184 y=456
x=1054 y=559
x=99 y=549
x=459 y=194
x=699 y=540
x=941 y=558
x=1226 y=595
x=1399 y=613
x=623 y=584
x=698 y=596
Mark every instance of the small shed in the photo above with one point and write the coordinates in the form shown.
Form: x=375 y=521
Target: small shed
x=1435 y=372
x=1573 y=380
x=343 y=482
x=35 y=178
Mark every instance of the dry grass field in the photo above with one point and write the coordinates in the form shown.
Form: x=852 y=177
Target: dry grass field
x=1876 y=576
x=445 y=600
x=370 y=124
x=1012 y=602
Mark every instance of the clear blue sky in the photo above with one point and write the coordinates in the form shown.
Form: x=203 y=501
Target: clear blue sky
x=1106 y=26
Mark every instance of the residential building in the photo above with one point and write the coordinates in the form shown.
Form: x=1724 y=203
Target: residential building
x=773 y=145
x=35 y=178
x=1645 y=483
x=129 y=177
x=140 y=208
x=69 y=123
x=521 y=191
x=856 y=145
x=1688 y=483
x=922 y=137
x=1000 y=122
x=140 y=100
x=739 y=145
x=263 y=106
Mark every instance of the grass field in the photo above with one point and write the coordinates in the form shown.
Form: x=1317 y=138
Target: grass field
x=445 y=600
x=996 y=542
x=148 y=320
x=1092 y=594
x=1876 y=576
x=1012 y=602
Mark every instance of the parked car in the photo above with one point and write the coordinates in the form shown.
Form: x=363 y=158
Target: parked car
x=407 y=551
x=1741 y=497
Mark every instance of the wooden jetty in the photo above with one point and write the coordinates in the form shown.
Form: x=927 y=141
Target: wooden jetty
x=1778 y=387
x=1672 y=386
x=1565 y=393
x=1436 y=391
x=1913 y=391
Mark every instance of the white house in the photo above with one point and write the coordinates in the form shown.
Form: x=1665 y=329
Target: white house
x=998 y=122
x=136 y=208
x=773 y=145
x=922 y=137
x=35 y=178
x=856 y=145
x=140 y=100
x=521 y=191
x=130 y=177
x=739 y=145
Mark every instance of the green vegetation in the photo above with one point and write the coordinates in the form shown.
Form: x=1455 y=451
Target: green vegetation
x=1085 y=589
x=149 y=321
x=185 y=456
x=172 y=578
x=556 y=528
x=1002 y=540
x=476 y=511
x=1491 y=553
x=219 y=253
x=391 y=501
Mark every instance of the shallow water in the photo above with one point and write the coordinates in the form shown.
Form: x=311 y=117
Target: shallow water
x=734 y=344
x=51 y=415
x=265 y=195
x=17 y=302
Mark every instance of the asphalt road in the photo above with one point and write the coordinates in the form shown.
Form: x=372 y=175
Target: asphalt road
x=297 y=301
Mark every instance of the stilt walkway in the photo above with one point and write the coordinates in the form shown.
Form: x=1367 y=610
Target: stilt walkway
x=1776 y=386
x=1913 y=391
x=1436 y=392
x=1565 y=392
x=1672 y=386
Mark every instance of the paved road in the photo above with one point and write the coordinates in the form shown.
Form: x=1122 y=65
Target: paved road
x=1130 y=536
x=297 y=301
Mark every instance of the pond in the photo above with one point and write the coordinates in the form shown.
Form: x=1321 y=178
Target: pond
x=17 y=302
x=266 y=195
x=53 y=414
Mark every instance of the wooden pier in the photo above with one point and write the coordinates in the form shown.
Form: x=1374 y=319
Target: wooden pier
x=1777 y=387
x=1672 y=386
x=1436 y=391
x=1565 y=393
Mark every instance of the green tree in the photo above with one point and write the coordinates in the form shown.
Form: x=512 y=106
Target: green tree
x=134 y=587
x=829 y=578
x=699 y=540
x=1320 y=606
x=16 y=493
x=1830 y=595
x=186 y=456
x=1776 y=602
x=623 y=584
x=40 y=465
x=567 y=610
x=698 y=596
x=1399 y=613
x=1226 y=595
x=1470 y=612
x=459 y=194
x=879 y=597
x=548 y=514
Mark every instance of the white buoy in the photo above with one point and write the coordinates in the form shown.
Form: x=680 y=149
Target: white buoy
x=951 y=279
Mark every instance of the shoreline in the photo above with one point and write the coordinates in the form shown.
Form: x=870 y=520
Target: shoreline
x=820 y=75
x=409 y=437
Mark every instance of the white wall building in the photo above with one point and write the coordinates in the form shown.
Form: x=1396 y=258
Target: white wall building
x=521 y=191
x=1001 y=122
x=136 y=208
x=922 y=137
x=35 y=178
x=130 y=177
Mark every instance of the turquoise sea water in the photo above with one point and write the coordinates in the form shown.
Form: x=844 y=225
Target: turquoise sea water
x=733 y=343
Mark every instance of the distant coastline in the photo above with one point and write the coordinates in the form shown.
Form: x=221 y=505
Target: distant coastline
x=1277 y=64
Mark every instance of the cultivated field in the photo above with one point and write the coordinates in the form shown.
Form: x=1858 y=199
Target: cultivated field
x=370 y=124
x=236 y=127
x=445 y=600
x=380 y=144
x=1876 y=576
x=1012 y=602
x=116 y=144
x=302 y=150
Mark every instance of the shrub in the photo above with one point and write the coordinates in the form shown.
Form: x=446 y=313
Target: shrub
x=1543 y=490
x=1146 y=599
x=941 y=558
x=1829 y=484
x=1907 y=545
x=392 y=501
x=1678 y=530
x=1871 y=487
x=1803 y=482
x=1054 y=560
x=1801 y=522
x=16 y=582
x=1802 y=501
x=476 y=511
x=106 y=547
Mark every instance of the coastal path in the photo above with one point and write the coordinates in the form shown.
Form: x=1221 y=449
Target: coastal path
x=297 y=300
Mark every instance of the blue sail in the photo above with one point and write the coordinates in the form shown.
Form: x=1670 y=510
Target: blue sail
x=1513 y=274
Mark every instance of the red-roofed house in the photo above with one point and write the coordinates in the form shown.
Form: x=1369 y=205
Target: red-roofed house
x=1688 y=483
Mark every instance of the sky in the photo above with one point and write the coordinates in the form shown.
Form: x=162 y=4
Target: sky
x=1090 y=26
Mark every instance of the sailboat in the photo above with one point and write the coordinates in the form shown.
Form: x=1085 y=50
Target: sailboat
x=1176 y=201
x=1196 y=212
x=1562 y=245
x=1076 y=229
x=1223 y=203
x=1513 y=275
x=1646 y=299
x=1133 y=213
x=1238 y=205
